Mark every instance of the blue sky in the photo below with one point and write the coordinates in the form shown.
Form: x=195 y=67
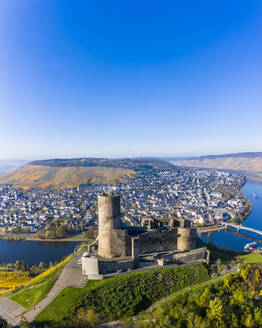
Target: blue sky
x=129 y=78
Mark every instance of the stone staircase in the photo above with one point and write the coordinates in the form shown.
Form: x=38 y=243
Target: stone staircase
x=10 y=311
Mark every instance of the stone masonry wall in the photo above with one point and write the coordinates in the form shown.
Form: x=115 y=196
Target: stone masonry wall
x=158 y=241
x=114 y=266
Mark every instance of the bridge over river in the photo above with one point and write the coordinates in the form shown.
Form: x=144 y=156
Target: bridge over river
x=241 y=227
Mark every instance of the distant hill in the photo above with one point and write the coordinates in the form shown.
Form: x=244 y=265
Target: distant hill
x=137 y=164
x=40 y=176
x=248 y=163
x=233 y=155
x=69 y=173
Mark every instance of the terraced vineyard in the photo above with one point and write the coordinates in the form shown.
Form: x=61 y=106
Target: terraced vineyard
x=40 y=176
x=11 y=280
x=70 y=173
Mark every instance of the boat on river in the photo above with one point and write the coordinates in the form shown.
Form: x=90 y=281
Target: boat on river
x=250 y=246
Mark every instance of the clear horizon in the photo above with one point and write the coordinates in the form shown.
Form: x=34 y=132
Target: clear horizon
x=117 y=157
x=120 y=79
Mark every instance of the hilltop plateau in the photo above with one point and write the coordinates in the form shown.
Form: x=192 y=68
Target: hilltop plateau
x=70 y=173
x=250 y=164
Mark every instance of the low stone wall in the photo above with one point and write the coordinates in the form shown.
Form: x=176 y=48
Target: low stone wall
x=95 y=268
x=195 y=255
x=114 y=266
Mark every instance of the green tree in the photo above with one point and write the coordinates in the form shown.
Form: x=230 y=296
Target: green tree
x=216 y=308
x=24 y=323
x=258 y=316
x=82 y=225
x=17 y=265
x=249 y=322
x=61 y=231
x=205 y=297
x=23 y=266
x=41 y=265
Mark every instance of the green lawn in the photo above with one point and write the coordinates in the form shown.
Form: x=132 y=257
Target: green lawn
x=252 y=258
x=34 y=292
x=58 y=310
x=78 y=237
x=119 y=297
x=31 y=295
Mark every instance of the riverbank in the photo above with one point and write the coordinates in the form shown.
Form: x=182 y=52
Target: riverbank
x=236 y=220
x=243 y=216
x=234 y=240
x=33 y=237
x=254 y=177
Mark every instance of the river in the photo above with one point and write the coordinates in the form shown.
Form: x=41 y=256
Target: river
x=225 y=239
x=33 y=252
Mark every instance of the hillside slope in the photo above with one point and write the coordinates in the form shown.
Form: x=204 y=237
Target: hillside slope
x=40 y=176
x=230 y=163
x=248 y=163
x=71 y=172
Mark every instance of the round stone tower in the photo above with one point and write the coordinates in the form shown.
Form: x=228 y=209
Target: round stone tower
x=186 y=239
x=109 y=220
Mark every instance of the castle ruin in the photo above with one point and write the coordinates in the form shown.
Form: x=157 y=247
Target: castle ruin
x=118 y=249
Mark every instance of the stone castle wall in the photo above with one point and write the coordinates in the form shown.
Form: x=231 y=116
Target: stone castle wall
x=106 y=267
x=158 y=241
x=198 y=255
x=120 y=244
x=195 y=255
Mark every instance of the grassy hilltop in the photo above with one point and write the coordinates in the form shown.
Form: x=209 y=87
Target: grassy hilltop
x=69 y=173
